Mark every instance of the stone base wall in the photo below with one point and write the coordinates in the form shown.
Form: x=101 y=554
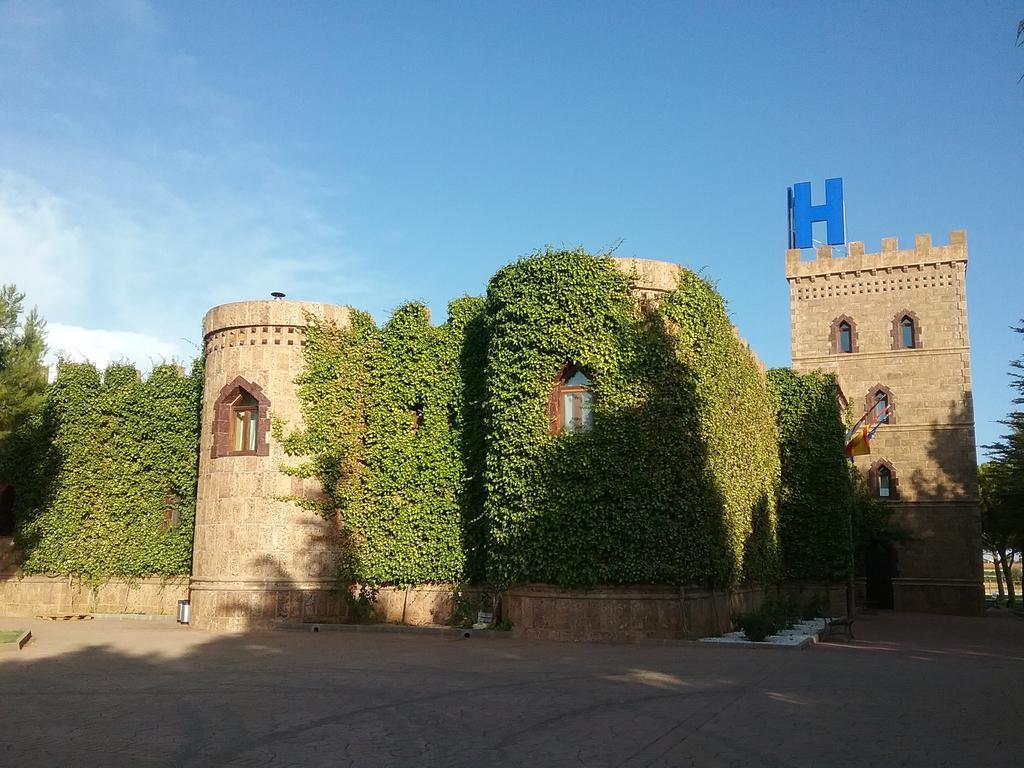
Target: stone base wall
x=247 y=605
x=962 y=597
x=49 y=595
x=617 y=614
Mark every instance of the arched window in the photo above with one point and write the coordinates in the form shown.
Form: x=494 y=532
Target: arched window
x=882 y=404
x=881 y=407
x=571 y=406
x=241 y=420
x=884 y=482
x=244 y=420
x=906 y=330
x=843 y=336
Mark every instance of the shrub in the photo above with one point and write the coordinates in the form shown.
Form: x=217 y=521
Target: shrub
x=758 y=625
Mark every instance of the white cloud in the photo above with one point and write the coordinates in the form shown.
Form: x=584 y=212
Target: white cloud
x=102 y=347
x=40 y=249
x=125 y=241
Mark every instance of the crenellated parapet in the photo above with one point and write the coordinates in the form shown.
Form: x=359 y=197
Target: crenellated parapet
x=924 y=254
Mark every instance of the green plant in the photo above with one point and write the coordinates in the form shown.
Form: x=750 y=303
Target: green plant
x=393 y=422
x=676 y=482
x=467 y=605
x=99 y=468
x=433 y=443
x=362 y=603
x=758 y=625
x=22 y=374
x=816 y=497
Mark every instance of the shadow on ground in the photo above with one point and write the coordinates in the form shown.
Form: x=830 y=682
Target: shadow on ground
x=913 y=690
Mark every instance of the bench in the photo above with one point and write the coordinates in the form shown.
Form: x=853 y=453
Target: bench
x=843 y=625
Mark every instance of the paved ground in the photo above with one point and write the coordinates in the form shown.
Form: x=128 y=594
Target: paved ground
x=912 y=691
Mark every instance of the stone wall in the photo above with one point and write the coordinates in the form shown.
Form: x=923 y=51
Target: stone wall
x=50 y=595
x=258 y=558
x=929 y=443
x=623 y=614
x=236 y=606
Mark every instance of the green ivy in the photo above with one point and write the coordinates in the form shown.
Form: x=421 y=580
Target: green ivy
x=676 y=482
x=816 y=499
x=433 y=443
x=397 y=402
x=93 y=469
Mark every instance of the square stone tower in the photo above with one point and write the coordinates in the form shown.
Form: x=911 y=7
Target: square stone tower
x=893 y=327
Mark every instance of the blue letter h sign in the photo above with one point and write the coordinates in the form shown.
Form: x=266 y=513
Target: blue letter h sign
x=803 y=214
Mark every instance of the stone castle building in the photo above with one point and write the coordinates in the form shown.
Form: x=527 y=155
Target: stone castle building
x=258 y=558
x=893 y=327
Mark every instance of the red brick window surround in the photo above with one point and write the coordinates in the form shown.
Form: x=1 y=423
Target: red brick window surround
x=874 y=397
x=883 y=481
x=906 y=327
x=241 y=420
x=843 y=336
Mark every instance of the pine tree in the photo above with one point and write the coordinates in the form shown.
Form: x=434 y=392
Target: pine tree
x=22 y=376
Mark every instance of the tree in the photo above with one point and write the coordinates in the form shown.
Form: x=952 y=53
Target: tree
x=1020 y=37
x=1006 y=481
x=22 y=376
x=1000 y=526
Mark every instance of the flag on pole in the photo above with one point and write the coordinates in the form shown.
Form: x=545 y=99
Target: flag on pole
x=858 y=438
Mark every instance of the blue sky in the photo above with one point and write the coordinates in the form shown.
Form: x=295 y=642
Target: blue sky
x=158 y=159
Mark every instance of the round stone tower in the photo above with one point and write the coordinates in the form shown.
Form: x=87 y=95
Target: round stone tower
x=654 y=278
x=257 y=559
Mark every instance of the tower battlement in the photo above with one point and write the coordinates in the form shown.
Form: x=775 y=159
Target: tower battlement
x=924 y=253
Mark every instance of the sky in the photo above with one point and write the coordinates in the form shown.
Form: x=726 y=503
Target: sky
x=158 y=159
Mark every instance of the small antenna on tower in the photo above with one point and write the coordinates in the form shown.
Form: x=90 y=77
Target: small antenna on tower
x=277 y=295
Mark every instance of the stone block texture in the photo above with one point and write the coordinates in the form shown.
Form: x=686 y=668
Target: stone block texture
x=259 y=559
x=930 y=446
x=53 y=595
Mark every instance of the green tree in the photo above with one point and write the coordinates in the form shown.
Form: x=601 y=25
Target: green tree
x=1000 y=526
x=22 y=345
x=1005 y=485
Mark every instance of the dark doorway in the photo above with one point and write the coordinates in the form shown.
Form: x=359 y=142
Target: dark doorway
x=880 y=568
x=6 y=510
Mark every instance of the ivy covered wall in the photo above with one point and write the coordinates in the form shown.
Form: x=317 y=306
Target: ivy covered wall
x=815 y=502
x=395 y=431
x=433 y=446
x=93 y=471
x=440 y=462
x=675 y=483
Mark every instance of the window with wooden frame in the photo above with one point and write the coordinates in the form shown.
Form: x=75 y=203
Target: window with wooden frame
x=241 y=420
x=571 y=405
x=244 y=423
